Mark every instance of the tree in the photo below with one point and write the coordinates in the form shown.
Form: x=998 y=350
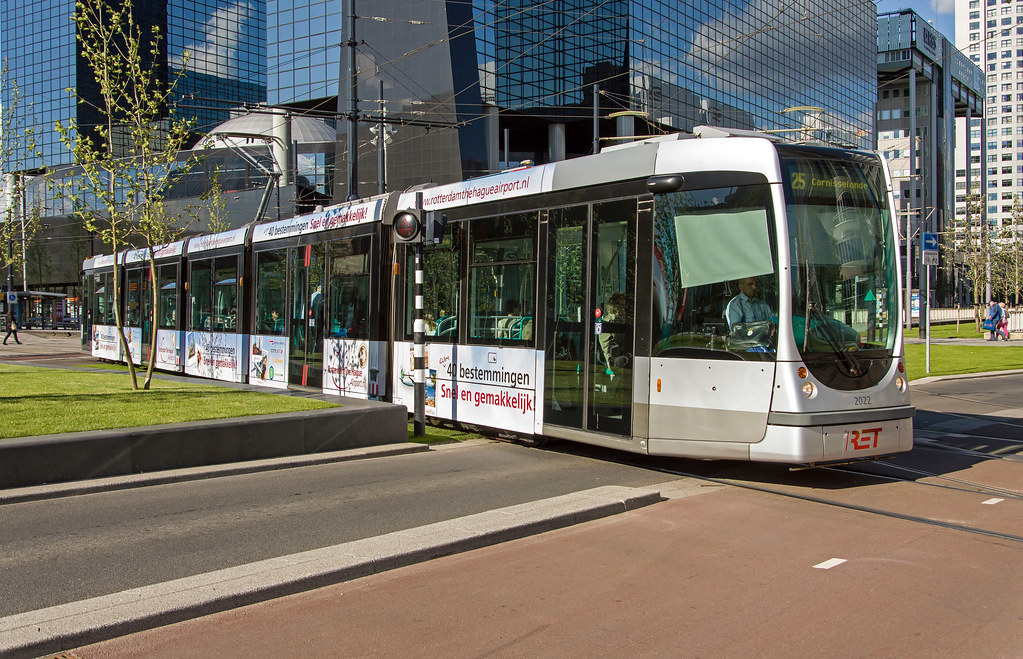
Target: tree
x=126 y=161
x=17 y=146
x=1007 y=257
x=974 y=251
x=216 y=204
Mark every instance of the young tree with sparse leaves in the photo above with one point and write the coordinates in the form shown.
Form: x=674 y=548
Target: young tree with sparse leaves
x=975 y=251
x=1007 y=266
x=216 y=204
x=125 y=163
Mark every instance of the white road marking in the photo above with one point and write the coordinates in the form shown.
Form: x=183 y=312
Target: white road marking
x=830 y=563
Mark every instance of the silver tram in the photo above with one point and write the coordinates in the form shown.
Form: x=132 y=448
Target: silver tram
x=706 y=295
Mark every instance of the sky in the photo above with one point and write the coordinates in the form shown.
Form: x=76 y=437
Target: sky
x=940 y=12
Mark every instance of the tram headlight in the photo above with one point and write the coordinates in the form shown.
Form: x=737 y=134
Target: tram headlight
x=809 y=390
x=900 y=382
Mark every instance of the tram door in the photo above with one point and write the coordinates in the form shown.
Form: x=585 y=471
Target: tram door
x=305 y=353
x=591 y=295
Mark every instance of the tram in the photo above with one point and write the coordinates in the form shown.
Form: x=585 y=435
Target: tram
x=711 y=295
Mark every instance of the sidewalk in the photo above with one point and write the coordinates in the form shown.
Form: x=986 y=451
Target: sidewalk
x=44 y=345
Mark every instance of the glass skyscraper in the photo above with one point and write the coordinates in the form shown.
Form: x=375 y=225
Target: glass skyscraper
x=225 y=39
x=502 y=81
x=37 y=41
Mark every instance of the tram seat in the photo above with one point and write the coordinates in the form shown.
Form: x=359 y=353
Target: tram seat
x=447 y=326
x=521 y=329
x=505 y=325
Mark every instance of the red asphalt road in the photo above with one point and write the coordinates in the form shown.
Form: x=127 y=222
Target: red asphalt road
x=729 y=572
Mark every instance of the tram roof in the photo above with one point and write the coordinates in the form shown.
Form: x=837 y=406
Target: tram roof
x=670 y=154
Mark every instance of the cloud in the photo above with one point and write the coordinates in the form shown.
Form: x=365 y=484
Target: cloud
x=217 y=53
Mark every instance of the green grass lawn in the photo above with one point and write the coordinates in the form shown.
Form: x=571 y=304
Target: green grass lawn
x=952 y=359
x=965 y=330
x=41 y=401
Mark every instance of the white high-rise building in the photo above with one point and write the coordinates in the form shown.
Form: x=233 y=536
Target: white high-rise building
x=924 y=85
x=990 y=33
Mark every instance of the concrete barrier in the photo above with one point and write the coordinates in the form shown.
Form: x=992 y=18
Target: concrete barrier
x=46 y=459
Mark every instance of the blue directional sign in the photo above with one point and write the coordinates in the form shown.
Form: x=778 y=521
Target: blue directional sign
x=930 y=242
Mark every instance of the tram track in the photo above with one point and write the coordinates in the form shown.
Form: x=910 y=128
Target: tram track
x=834 y=503
x=963 y=484
x=931 y=445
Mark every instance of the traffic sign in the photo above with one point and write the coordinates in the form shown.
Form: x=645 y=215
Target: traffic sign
x=12 y=298
x=930 y=257
x=930 y=242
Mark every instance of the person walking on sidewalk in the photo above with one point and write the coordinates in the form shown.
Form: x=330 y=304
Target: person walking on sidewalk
x=1003 y=327
x=12 y=327
x=993 y=320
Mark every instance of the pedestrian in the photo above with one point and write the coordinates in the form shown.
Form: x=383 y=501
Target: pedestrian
x=12 y=327
x=993 y=320
x=1003 y=327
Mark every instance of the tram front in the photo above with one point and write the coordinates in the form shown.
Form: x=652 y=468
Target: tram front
x=841 y=390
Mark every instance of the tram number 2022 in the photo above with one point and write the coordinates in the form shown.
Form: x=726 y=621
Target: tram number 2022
x=860 y=440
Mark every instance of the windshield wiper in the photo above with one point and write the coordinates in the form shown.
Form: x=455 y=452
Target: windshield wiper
x=834 y=342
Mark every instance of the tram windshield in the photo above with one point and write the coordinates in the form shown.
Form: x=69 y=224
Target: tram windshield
x=844 y=288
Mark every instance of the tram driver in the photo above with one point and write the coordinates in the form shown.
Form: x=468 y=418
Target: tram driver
x=750 y=319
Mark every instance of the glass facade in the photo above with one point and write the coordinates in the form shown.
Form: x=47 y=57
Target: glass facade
x=37 y=39
x=226 y=43
x=303 y=49
x=729 y=63
x=226 y=40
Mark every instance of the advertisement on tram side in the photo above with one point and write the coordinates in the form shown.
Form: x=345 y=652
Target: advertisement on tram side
x=134 y=338
x=168 y=350
x=268 y=361
x=351 y=368
x=215 y=355
x=105 y=344
x=485 y=385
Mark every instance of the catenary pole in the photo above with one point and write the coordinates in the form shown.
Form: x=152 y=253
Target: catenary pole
x=353 y=109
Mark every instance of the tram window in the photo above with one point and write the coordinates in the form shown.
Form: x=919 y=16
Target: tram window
x=349 y=289
x=271 y=287
x=712 y=247
x=441 y=265
x=168 y=302
x=225 y=294
x=200 y=289
x=502 y=278
x=103 y=311
x=133 y=300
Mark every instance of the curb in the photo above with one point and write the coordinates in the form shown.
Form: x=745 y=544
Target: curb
x=961 y=376
x=67 y=626
x=75 y=488
x=42 y=459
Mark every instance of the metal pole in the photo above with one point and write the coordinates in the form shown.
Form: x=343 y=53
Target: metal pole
x=9 y=185
x=507 y=139
x=353 y=109
x=927 y=319
x=909 y=268
x=913 y=181
x=419 y=349
x=22 y=190
x=596 y=118
x=10 y=264
x=381 y=134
